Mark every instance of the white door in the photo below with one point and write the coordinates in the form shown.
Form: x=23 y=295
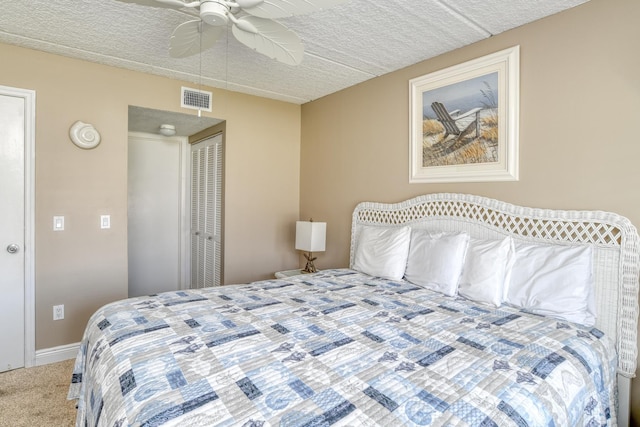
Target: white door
x=157 y=222
x=12 y=231
x=206 y=212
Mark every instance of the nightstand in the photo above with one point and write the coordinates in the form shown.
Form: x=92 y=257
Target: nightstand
x=288 y=273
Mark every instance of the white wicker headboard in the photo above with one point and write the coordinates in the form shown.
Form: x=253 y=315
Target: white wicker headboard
x=613 y=238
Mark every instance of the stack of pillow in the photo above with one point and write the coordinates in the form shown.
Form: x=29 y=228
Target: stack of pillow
x=550 y=280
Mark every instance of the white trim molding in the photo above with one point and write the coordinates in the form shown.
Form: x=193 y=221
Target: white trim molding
x=56 y=354
x=29 y=229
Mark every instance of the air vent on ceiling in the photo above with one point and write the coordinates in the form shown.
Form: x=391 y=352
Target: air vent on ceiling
x=196 y=99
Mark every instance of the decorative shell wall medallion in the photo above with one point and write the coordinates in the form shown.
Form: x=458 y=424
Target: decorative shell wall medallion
x=84 y=135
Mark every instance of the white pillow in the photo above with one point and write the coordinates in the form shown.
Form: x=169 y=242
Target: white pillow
x=382 y=251
x=436 y=260
x=485 y=270
x=555 y=281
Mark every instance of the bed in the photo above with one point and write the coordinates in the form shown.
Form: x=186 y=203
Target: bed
x=362 y=346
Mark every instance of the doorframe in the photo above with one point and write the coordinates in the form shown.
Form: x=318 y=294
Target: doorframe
x=185 y=212
x=29 y=97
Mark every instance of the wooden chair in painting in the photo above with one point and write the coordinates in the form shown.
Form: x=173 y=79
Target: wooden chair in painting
x=455 y=123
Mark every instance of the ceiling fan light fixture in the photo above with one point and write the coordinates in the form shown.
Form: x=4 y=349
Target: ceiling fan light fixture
x=167 y=130
x=214 y=13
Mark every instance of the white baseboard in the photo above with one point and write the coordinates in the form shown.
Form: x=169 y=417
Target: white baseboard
x=57 y=354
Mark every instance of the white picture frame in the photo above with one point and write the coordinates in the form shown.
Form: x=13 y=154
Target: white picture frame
x=478 y=99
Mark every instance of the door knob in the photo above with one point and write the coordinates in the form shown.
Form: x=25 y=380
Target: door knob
x=13 y=248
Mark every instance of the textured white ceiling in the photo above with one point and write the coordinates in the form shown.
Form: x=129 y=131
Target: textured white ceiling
x=345 y=45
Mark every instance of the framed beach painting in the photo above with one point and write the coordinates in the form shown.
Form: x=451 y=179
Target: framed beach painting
x=464 y=121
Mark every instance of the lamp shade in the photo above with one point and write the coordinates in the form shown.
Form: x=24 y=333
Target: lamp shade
x=310 y=236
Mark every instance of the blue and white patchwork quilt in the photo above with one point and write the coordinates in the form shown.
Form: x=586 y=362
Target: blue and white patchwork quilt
x=337 y=348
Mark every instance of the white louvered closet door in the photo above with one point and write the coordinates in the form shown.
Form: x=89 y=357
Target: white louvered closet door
x=206 y=212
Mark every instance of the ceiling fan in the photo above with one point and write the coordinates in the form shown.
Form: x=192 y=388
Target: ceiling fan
x=254 y=26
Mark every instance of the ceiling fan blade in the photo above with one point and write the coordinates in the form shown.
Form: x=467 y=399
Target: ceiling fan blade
x=192 y=37
x=248 y=3
x=171 y=4
x=283 y=8
x=271 y=39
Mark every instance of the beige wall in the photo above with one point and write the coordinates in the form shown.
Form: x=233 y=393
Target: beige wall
x=579 y=144
x=85 y=267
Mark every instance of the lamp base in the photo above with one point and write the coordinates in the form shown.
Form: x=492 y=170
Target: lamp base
x=310 y=268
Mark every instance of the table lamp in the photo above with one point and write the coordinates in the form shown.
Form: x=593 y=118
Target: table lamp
x=310 y=237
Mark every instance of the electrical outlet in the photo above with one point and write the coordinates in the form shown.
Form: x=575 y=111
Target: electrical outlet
x=58 y=312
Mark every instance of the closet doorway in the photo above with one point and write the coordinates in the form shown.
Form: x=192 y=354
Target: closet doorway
x=157 y=175
x=160 y=206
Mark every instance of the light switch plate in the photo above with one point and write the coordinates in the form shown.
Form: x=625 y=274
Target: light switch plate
x=105 y=221
x=58 y=223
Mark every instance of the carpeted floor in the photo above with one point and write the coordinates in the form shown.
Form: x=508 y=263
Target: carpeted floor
x=37 y=396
